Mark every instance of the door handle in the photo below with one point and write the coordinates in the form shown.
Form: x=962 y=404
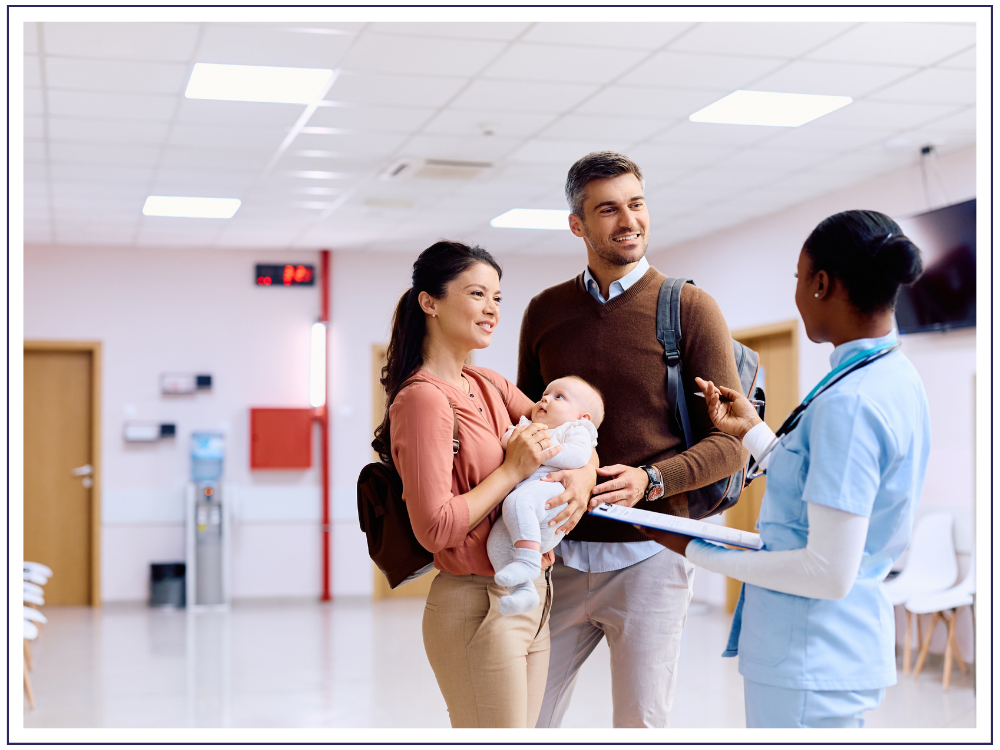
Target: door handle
x=82 y=471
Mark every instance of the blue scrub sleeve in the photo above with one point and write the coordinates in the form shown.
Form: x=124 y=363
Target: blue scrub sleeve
x=847 y=443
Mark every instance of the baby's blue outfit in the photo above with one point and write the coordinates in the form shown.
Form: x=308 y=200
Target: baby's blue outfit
x=860 y=447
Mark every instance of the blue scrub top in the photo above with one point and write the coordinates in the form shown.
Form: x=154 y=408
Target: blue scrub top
x=861 y=447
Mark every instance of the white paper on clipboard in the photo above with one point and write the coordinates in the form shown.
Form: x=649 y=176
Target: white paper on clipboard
x=688 y=526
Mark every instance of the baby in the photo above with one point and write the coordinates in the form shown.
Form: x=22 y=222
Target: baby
x=572 y=409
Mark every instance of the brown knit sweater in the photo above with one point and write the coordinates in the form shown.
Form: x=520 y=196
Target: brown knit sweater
x=565 y=331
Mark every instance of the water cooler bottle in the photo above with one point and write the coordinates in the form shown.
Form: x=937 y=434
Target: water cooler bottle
x=207 y=524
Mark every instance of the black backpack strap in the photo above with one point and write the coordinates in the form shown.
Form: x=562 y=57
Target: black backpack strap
x=668 y=333
x=455 y=444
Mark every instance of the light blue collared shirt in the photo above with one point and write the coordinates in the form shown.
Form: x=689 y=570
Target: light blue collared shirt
x=603 y=557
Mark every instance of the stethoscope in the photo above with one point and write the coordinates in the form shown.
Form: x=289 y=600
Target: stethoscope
x=845 y=368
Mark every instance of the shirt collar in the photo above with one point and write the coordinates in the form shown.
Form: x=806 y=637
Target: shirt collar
x=619 y=286
x=850 y=348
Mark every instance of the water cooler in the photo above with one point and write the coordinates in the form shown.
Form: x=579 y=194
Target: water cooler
x=207 y=524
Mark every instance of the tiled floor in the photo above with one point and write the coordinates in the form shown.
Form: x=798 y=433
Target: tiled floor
x=352 y=664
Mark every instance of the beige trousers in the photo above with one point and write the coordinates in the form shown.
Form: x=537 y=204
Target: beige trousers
x=491 y=669
x=641 y=609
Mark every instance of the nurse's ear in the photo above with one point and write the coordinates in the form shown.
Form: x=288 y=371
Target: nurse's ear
x=821 y=285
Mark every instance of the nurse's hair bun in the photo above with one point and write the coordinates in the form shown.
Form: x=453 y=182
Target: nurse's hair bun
x=868 y=253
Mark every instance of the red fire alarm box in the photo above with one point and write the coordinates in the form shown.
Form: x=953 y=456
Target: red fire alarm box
x=281 y=438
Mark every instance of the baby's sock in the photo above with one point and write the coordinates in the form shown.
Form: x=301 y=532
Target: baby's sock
x=523 y=598
x=526 y=567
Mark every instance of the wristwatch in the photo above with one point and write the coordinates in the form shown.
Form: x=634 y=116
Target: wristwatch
x=654 y=490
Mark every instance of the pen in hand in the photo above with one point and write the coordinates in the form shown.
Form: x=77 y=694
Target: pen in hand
x=725 y=400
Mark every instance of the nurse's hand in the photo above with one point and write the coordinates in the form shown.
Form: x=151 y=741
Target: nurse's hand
x=674 y=542
x=734 y=416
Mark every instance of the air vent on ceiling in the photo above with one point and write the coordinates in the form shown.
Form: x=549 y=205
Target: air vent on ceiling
x=434 y=169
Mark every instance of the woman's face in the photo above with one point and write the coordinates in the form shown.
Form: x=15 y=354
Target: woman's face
x=469 y=312
x=806 y=288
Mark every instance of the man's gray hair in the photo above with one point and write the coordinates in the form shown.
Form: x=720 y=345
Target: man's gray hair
x=599 y=165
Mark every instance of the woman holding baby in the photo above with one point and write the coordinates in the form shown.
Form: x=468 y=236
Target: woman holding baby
x=491 y=667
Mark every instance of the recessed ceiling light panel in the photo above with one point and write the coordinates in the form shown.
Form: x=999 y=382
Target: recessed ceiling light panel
x=257 y=83
x=769 y=108
x=191 y=208
x=532 y=218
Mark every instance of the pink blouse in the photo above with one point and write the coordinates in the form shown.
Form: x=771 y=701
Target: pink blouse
x=434 y=479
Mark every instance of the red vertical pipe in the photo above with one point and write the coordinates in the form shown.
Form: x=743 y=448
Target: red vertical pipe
x=323 y=416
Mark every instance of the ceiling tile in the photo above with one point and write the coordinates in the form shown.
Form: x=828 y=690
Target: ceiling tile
x=35 y=151
x=862 y=164
x=111 y=106
x=541 y=62
x=870 y=115
x=898 y=43
x=222 y=159
x=832 y=79
x=238 y=114
x=498 y=31
x=35 y=171
x=603 y=34
x=964 y=120
x=774 y=162
x=159 y=41
x=467 y=148
x=204 y=184
x=219 y=136
x=129 y=197
x=372 y=119
x=477 y=123
x=393 y=90
x=522 y=96
x=120 y=76
x=295 y=160
x=761 y=39
x=79 y=153
x=932 y=86
x=706 y=133
x=34 y=127
x=591 y=127
x=33 y=71
x=30 y=38
x=561 y=152
x=268 y=44
x=962 y=61
x=350 y=144
x=649 y=102
x=823 y=140
x=942 y=140
x=691 y=71
x=107 y=131
x=679 y=155
x=34 y=101
x=93 y=234
x=137 y=176
x=455 y=58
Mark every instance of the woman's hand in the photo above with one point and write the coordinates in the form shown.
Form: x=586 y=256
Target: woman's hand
x=527 y=449
x=578 y=483
x=735 y=416
x=675 y=542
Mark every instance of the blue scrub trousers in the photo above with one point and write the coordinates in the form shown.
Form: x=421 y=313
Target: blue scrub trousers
x=771 y=707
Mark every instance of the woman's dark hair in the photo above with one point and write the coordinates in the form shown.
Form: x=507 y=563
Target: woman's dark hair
x=434 y=269
x=868 y=253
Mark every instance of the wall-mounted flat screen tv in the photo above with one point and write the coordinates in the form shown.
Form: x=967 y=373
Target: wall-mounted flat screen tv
x=944 y=297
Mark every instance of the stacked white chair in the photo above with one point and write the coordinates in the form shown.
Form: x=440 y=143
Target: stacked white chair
x=36 y=575
x=931 y=565
x=937 y=603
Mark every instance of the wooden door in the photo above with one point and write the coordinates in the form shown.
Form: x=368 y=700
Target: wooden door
x=777 y=346
x=61 y=516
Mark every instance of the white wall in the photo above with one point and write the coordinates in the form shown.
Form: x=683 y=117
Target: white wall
x=749 y=270
x=187 y=311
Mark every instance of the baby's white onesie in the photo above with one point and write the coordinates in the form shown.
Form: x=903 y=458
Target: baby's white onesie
x=526 y=519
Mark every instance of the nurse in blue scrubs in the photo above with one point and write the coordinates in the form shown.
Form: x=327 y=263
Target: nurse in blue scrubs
x=813 y=629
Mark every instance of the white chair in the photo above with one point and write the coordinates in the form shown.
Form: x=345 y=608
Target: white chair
x=931 y=565
x=937 y=604
x=30 y=633
x=37 y=568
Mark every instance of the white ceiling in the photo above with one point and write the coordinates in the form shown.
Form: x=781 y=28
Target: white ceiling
x=107 y=124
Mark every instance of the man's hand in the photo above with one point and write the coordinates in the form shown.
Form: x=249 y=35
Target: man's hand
x=578 y=483
x=626 y=486
x=674 y=542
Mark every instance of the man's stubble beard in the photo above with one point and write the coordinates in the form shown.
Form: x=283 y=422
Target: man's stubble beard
x=607 y=252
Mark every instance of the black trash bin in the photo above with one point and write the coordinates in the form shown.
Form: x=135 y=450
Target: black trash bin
x=166 y=587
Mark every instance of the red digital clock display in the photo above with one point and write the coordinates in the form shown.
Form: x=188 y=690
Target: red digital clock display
x=288 y=274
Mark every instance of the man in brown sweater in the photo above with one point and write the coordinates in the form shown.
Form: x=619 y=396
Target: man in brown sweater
x=609 y=579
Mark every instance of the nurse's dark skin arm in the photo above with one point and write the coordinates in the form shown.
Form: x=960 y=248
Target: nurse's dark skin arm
x=673 y=542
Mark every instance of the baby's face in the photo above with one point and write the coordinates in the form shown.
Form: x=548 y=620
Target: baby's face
x=565 y=400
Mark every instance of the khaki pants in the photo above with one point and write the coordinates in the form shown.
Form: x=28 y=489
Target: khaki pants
x=491 y=669
x=641 y=609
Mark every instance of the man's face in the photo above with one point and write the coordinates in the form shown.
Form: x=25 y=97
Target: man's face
x=615 y=222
